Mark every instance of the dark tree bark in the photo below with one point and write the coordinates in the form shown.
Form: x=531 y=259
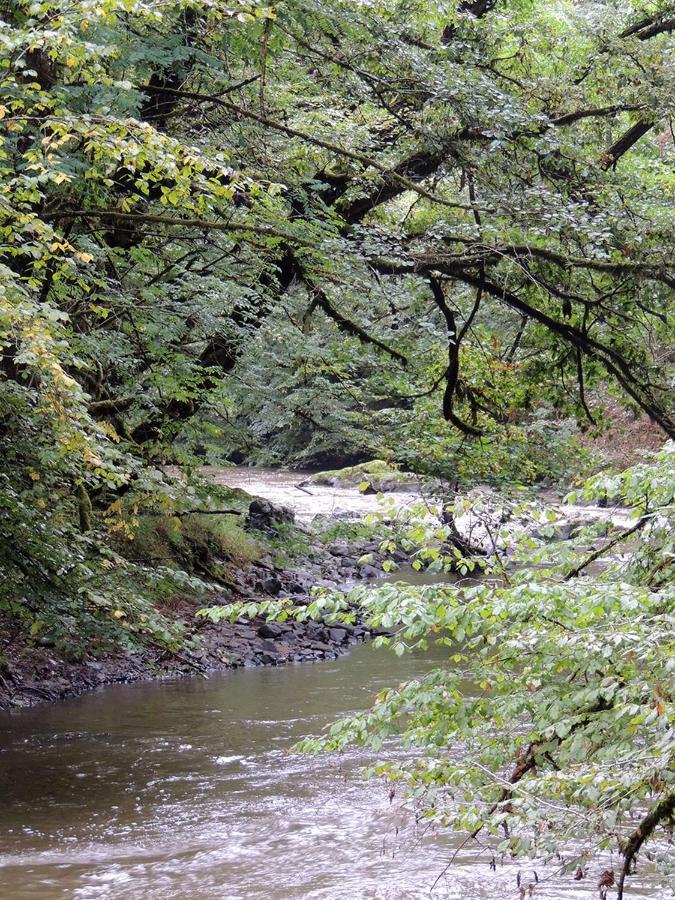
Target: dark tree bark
x=625 y=142
x=452 y=371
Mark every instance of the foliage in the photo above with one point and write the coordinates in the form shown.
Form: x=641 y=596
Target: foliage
x=550 y=727
x=193 y=543
x=240 y=227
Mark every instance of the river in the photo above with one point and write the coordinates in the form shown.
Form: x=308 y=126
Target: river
x=287 y=487
x=185 y=790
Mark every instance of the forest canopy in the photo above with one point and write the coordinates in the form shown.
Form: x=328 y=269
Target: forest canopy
x=318 y=232
x=302 y=231
x=309 y=231
x=314 y=231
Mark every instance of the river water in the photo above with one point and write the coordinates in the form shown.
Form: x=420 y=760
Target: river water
x=185 y=790
x=288 y=487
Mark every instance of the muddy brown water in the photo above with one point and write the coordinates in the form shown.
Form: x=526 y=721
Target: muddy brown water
x=186 y=790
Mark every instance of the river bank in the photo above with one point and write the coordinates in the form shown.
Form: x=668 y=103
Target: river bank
x=35 y=672
x=186 y=785
x=299 y=534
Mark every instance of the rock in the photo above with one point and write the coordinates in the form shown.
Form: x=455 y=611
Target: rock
x=339 y=635
x=271 y=585
x=339 y=550
x=271 y=630
x=265 y=516
x=324 y=582
x=560 y=530
x=219 y=600
x=266 y=660
x=376 y=475
x=295 y=587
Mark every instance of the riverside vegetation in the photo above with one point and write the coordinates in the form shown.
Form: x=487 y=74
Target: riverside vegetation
x=318 y=234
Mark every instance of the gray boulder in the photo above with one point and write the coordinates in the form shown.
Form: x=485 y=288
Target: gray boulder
x=266 y=516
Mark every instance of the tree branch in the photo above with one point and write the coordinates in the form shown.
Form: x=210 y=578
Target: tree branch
x=352 y=328
x=611 y=156
x=582 y=389
x=364 y=159
x=619 y=539
x=610 y=358
x=649 y=27
x=260 y=230
x=452 y=371
x=598 y=112
x=663 y=810
x=193 y=512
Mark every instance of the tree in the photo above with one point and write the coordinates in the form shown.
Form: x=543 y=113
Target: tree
x=480 y=210
x=559 y=692
x=550 y=726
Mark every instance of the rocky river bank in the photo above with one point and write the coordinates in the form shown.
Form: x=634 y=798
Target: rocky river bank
x=35 y=673
x=281 y=509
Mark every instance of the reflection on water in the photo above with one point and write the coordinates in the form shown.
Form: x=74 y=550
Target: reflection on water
x=184 y=789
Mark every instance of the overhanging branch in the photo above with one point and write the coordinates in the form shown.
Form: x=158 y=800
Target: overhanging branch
x=614 y=153
x=452 y=371
x=618 y=367
x=350 y=327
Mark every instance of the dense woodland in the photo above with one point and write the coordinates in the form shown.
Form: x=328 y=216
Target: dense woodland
x=319 y=232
